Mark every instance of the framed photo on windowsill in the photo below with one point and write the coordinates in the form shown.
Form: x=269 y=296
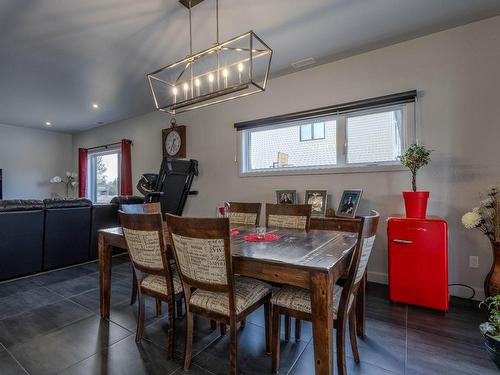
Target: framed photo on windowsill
x=317 y=199
x=349 y=203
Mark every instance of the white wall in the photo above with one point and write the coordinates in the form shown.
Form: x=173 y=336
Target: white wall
x=457 y=74
x=29 y=158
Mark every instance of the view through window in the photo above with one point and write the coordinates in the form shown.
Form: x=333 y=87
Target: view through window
x=104 y=178
x=358 y=139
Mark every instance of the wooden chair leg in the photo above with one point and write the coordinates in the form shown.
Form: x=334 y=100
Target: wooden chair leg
x=352 y=334
x=288 y=322
x=158 y=307
x=213 y=325
x=179 y=308
x=189 y=340
x=234 y=348
x=223 y=329
x=267 y=324
x=243 y=323
x=275 y=347
x=341 y=365
x=361 y=307
x=140 y=319
x=298 y=329
x=133 y=296
x=170 y=330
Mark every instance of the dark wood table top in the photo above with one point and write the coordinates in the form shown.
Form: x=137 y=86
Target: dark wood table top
x=314 y=250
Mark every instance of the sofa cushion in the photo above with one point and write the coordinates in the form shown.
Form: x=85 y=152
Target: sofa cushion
x=20 y=205
x=127 y=199
x=66 y=203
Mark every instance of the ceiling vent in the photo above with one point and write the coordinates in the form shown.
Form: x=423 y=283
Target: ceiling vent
x=303 y=63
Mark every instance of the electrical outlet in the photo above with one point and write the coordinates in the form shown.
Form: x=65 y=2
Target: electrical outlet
x=474 y=262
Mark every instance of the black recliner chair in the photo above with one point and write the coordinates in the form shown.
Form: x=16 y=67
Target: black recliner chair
x=21 y=233
x=67 y=232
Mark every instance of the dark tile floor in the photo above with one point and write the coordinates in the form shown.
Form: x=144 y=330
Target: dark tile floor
x=49 y=324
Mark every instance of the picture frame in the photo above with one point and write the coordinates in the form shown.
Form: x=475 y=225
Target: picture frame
x=286 y=196
x=349 y=203
x=317 y=198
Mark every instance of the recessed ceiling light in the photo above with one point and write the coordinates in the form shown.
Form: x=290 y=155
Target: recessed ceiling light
x=95 y=105
x=48 y=123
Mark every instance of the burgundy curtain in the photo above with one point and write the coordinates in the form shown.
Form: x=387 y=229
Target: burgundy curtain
x=126 y=168
x=82 y=172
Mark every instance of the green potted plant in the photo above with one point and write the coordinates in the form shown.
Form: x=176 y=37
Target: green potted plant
x=414 y=158
x=491 y=328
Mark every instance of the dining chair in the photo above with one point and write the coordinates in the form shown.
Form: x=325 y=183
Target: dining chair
x=142 y=208
x=293 y=216
x=344 y=224
x=202 y=252
x=296 y=302
x=154 y=273
x=241 y=213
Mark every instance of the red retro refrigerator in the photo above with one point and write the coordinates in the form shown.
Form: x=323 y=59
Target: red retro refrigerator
x=418 y=261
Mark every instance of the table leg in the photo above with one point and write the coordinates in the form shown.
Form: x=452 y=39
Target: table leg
x=360 y=307
x=105 y=262
x=322 y=322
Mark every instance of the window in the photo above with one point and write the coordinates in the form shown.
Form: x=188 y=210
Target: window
x=374 y=137
x=104 y=175
x=364 y=140
x=310 y=132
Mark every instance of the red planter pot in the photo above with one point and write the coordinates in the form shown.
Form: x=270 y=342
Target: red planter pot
x=416 y=203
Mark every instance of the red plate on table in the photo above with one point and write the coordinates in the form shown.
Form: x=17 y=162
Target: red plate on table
x=269 y=237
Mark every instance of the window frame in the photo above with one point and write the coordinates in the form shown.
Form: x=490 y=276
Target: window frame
x=91 y=171
x=408 y=137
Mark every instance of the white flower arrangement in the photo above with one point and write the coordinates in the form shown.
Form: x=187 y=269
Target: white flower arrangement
x=485 y=216
x=471 y=220
x=70 y=182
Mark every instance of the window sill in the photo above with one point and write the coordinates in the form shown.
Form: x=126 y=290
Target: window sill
x=318 y=171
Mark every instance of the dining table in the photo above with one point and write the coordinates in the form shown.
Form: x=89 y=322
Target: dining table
x=314 y=260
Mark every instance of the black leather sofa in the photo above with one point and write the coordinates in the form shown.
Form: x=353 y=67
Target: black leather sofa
x=39 y=235
x=67 y=232
x=21 y=237
x=106 y=216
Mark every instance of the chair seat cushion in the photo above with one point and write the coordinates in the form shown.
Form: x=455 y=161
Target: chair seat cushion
x=247 y=291
x=158 y=284
x=299 y=299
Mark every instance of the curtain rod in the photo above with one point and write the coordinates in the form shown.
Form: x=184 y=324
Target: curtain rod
x=109 y=144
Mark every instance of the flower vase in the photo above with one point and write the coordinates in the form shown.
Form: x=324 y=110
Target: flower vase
x=492 y=281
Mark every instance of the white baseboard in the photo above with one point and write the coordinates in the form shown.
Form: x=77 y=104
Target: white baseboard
x=457 y=291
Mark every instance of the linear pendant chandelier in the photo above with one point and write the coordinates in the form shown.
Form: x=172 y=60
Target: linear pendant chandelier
x=228 y=70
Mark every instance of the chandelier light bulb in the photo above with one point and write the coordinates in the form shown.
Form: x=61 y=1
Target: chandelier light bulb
x=210 y=77
x=197 y=82
x=225 y=72
x=185 y=86
x=174 y=90
x=240 y=67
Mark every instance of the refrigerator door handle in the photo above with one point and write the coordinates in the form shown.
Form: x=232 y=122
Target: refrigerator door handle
x=406 y=242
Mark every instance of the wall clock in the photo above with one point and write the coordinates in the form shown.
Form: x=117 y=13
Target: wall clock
x=174 y=142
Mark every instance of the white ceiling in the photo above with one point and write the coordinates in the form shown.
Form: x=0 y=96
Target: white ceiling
x=58 y=57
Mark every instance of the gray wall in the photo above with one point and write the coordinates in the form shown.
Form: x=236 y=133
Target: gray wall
x=29 y=158
x=456 y=71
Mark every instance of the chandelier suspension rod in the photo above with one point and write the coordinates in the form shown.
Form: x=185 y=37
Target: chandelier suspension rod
x=217 y=18
x=190 y=32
